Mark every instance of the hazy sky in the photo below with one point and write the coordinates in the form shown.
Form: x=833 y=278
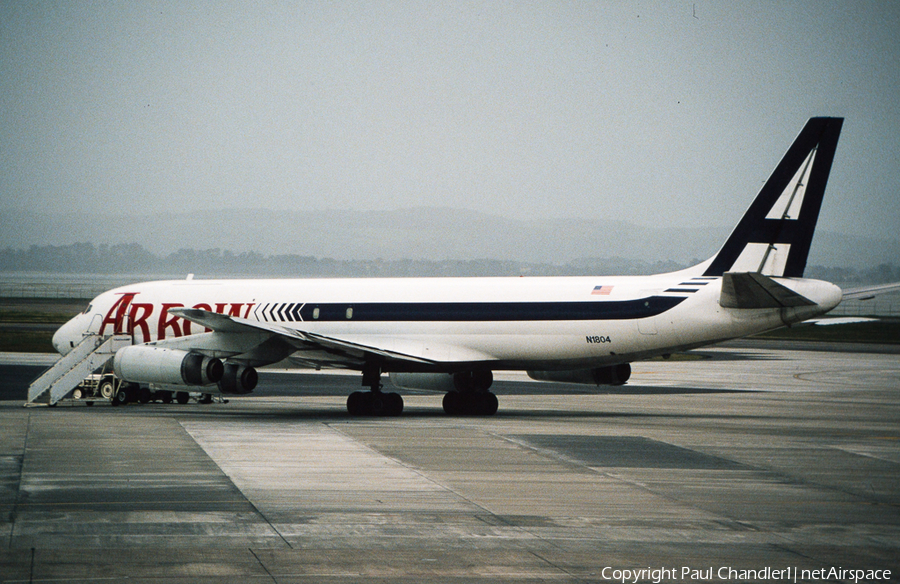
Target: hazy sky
x=653 y=113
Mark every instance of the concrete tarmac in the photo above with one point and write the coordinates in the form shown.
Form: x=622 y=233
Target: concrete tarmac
x=744 y=458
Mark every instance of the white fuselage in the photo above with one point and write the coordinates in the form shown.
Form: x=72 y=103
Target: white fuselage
x=503 y=323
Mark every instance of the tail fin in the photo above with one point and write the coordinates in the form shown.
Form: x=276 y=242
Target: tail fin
x=774 y=236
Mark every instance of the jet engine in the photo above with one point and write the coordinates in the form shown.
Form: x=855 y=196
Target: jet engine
x=238 y=379
x=612 y=375
x=146 y=364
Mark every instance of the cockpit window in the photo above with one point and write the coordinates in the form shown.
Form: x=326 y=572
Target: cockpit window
x=88 y=309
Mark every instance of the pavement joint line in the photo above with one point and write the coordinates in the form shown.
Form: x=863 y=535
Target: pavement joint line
x=18 y=502
x=500 y=520
x=224 y=474
x=262 y=565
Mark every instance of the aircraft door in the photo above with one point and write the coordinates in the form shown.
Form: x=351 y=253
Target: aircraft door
x=94 y=327
x=647 y=326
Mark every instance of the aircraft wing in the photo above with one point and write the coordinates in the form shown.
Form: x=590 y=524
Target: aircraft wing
x=317 y=349
x=870 y=292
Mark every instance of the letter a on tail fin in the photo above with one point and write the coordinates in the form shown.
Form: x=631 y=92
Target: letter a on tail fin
x=774 y=236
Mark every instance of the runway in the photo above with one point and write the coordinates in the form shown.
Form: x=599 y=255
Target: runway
x=747 y=457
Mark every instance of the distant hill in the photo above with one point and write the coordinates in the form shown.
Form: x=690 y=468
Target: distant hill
x=423 y=233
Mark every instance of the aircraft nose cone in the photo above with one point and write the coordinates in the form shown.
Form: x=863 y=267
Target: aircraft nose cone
x=57 y=341
x=63 y=338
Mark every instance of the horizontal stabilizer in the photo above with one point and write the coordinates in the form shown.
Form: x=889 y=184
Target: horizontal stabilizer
x=870 y=292
x=840 y=320
x=753 y=290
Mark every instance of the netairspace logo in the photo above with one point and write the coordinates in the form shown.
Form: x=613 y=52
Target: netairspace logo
x=727 y=573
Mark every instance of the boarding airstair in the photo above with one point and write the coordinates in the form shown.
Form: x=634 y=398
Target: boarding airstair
x=92 y=353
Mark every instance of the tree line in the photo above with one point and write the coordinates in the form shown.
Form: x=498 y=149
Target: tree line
x=132 y=258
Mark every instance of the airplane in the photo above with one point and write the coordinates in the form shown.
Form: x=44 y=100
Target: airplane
x=452 y=334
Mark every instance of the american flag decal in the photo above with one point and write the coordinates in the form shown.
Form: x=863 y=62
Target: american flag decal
x=602 y=290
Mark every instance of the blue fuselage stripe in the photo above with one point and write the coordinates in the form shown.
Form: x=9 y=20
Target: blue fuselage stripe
x=489 y=311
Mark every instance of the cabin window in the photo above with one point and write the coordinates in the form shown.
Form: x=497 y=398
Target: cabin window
x=316 y=313
x=349 y=312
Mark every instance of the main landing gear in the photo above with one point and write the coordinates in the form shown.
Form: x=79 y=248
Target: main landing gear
x=374 y=402
x=471 y=403
x=471 y=396
x=468 y=393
